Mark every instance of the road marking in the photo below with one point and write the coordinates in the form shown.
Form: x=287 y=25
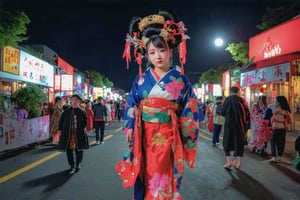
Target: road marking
x=28 y=167
x=117 y=130
x=36 y=163
x=207 y=138
x=105 y=138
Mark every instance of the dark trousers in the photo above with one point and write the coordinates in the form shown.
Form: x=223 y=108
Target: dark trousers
x=278 y=142
x=99 y=126
x=70 y=156
x=216 y=133
x=120 y=114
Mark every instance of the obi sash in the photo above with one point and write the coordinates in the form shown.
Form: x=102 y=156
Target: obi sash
x=162 y=111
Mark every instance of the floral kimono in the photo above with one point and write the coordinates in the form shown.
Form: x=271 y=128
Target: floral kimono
x=260 y=132
x=54 y=121
x=164 y=115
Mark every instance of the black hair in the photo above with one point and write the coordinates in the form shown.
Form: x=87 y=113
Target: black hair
x=219 y=98
x=58 y=98
x=152 y=31
x=263 y=99
x=284 y=105
x=234 y=89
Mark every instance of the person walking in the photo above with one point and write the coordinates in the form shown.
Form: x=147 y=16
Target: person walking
x=161 y=115
x=258 y=130
x=108 y=110
x=54 y=120
x=90 y=116
x=73 y=137
x=218 y=120
x=237 y=116
x=121 y=110
x=113 y=111
x=280 y=121
x=100 y=117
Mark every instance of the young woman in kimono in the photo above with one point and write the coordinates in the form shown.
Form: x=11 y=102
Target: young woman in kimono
x=54 y=120
x=259 y=133
x=161 y=117
x=90 y=116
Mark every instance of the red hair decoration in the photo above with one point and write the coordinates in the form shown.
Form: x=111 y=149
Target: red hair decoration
x=181 y=30
x=132 y=41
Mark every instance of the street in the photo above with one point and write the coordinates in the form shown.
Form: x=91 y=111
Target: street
x=42 y=174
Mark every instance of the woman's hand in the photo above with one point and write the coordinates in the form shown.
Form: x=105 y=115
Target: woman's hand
x=129 y=137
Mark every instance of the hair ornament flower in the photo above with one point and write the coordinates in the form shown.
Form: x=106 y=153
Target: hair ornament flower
x=180 y=30
x=131 y=41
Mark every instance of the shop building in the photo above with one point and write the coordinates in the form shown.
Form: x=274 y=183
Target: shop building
x=275 y=67
x=19 y=68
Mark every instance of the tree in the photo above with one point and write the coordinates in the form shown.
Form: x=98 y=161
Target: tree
x=30 y=98
x=213 y=75
x=275 y=16
x=239 y=51
x=98 y=79
x=107 y=82
x=13 y=27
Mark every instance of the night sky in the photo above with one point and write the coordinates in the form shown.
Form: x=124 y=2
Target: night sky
x=90 y=34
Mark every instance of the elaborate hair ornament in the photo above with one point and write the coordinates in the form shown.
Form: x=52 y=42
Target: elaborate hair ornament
x=151 y=19
x=169 y=30
x=181 y=30
x=133 y=41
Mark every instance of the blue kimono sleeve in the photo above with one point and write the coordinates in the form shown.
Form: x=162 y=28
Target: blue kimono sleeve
x=189 y=125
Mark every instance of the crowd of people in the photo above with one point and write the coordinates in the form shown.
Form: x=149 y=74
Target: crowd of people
x=113 y=110
x=162 y=116
x=71 y=124
x=267 y=123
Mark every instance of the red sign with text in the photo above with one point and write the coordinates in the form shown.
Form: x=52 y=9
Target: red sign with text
x=280 y=40
x=65 y=66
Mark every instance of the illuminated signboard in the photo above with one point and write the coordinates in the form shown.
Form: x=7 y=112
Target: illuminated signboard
x=280 y=40
x=86 y=92
x=57 y=78
x=66 y=82
x=273 y=74
x=226 y=83
x=98 y=91
x=11 y=60
x=66 y=67
x=217 y=90
x=78 y=83
x=35 y=70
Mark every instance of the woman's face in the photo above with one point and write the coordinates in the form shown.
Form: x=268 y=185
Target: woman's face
x=159 y=57
x=276 y=103
x=59 y=102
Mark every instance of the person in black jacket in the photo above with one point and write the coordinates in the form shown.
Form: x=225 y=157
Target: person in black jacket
x=72 y=125
x=100 y=116
x=236 y=113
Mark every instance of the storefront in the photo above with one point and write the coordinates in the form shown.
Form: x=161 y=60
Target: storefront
x=37 y=71
x=64 y=79
x=18 y=68
x=276 y=59
x=9 y=75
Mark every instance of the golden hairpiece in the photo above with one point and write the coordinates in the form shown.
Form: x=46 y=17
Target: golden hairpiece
x=151 y=19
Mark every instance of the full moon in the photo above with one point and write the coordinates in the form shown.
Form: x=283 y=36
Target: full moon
x=218 y=42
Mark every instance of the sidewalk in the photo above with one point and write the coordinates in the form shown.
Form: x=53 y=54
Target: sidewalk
x=289 y=151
